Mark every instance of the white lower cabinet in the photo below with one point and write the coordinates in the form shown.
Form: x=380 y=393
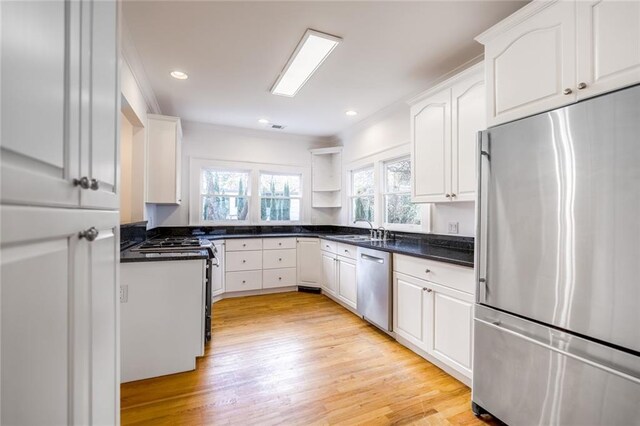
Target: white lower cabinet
x=308 y=261
x=217 y=274
x=434 y=317
x=274 y=278
x=328 y=272
x=244 y=280
x=347 y=281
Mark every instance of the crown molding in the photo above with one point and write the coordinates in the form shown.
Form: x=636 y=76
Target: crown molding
x=514 y=19
x=132 y=58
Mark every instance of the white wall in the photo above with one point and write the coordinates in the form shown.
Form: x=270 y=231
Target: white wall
x=388 y=131
x=212 y=142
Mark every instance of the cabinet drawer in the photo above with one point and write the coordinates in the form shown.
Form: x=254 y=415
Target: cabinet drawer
x=330 y=246
x=243 y=260
x=347 y=250
x=242 y=281
x=278 y=243
x=279 y=259
x=244 y=244
x=453 y=276
x=273 y=278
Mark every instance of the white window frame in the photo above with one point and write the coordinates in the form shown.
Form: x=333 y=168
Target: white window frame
x=384 y=192
x=352 y=196
x=248 y=196
x=298 y=197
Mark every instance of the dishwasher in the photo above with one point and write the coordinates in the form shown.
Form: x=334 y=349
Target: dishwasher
x=374 y=300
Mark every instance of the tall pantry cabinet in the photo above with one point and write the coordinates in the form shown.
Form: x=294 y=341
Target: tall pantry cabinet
x=59 y=248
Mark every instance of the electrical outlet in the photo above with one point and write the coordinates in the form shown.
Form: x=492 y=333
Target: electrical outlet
x=124 y=293
x=453 y=227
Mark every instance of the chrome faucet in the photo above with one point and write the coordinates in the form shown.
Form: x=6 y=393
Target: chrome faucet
x=372 y=231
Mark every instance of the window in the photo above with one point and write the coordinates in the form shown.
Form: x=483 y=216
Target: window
x=280 y=197
x=224 y=195
x=362 y=194
x=398 y=208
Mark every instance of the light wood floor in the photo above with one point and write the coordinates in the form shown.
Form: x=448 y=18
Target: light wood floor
x=298 y=359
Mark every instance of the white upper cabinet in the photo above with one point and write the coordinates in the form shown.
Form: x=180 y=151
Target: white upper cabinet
x=550 y=54
x=608 y=40
x=164 y=159
x=444 y=126
x=60 y=99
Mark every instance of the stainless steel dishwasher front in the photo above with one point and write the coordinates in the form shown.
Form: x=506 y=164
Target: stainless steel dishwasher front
x=374 y=287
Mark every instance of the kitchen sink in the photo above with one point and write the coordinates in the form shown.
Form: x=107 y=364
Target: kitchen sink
x=358 y=237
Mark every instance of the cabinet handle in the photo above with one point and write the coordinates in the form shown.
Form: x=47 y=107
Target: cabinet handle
x=95 y=185
x=567 y=91
x=327 y=246
x=453 y=195
x=244 y=261
x=427 y=271
x=428 y=290
x=280 y=278
x=279 y=259
x=244 y=282
x=582 y=85
x=447 y=195
x=244 y=245
x=346 y=251
x=83 y=182
x=90 y=234
x=279 y=244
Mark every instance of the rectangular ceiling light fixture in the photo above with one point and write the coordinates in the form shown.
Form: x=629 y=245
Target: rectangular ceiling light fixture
x=312 y=50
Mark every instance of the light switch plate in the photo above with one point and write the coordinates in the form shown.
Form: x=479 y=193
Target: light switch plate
x=453 y=227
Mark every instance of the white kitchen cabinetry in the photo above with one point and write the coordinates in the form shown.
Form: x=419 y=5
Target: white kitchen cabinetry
x=329 y=276
x=347 y=281
x=59 y=277
x=435 y=317
x=59 y=64
x=339 y=278
x=308 y=259
x=444 y=125
x=59 y=316
x=326 y=179
x=164 y=159
x=217 y=274
x=550 y=54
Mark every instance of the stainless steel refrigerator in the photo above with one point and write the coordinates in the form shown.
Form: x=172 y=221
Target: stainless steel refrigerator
x=557 y=319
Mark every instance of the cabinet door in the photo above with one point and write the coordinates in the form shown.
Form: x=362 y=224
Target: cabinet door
x=347 y=282
x=101 y=116
x=328 y=272
x=163 y=159
x=608 y=45
x=452 y=328
x=308 y=262
x=410 y=306
x=531 y=64
x=468 y=118
x=39 y=141
x=431 y=148
x=217 y=275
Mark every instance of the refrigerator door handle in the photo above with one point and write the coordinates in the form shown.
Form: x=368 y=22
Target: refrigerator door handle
x=483 y=157
x=500 y=326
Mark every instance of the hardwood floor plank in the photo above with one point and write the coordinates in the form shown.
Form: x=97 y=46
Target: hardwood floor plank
x=299 y=359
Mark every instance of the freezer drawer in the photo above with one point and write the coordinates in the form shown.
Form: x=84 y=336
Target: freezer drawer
x=526 y=373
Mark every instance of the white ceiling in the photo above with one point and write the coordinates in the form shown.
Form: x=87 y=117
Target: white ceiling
x=234 y=51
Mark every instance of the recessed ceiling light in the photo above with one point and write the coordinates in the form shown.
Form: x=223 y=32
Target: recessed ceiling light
x=263 y=121
x=351 y=113
x=312 y=50
x=179 y=75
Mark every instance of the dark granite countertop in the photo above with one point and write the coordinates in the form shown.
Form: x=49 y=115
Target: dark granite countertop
x=444 y=248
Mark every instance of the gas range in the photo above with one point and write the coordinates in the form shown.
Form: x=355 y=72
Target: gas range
x=175 y=245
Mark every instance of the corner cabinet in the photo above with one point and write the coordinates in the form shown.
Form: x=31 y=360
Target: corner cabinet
x=164 y=159
x=308 y=262
x=582 y=49
x=444 y=126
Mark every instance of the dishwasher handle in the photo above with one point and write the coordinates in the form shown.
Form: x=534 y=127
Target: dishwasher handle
x=371 y=258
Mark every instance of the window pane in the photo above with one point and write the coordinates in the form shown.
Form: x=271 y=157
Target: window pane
x=217 y=208
x=363 y=182
x=400 y=209
x=280 y=185
x=362 y=208
x=224 y=182
x=275 y=209
x=398 y=176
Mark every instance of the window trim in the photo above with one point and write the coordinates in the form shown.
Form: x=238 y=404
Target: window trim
x=299 y=197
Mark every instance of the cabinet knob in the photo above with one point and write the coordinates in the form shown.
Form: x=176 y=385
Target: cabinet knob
x=447 y=195
x=453 y=195
x=427 y=271
x=279 y=259
x=244 y=245
x=428 y=290
x=94 y=184
x=90 y=234
x=280 y=278
x=83 y=182
x=244 y=282
x=244 y=261
x=567 y=91
x=582 y=85
x=279 y=244
x=346 y=251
